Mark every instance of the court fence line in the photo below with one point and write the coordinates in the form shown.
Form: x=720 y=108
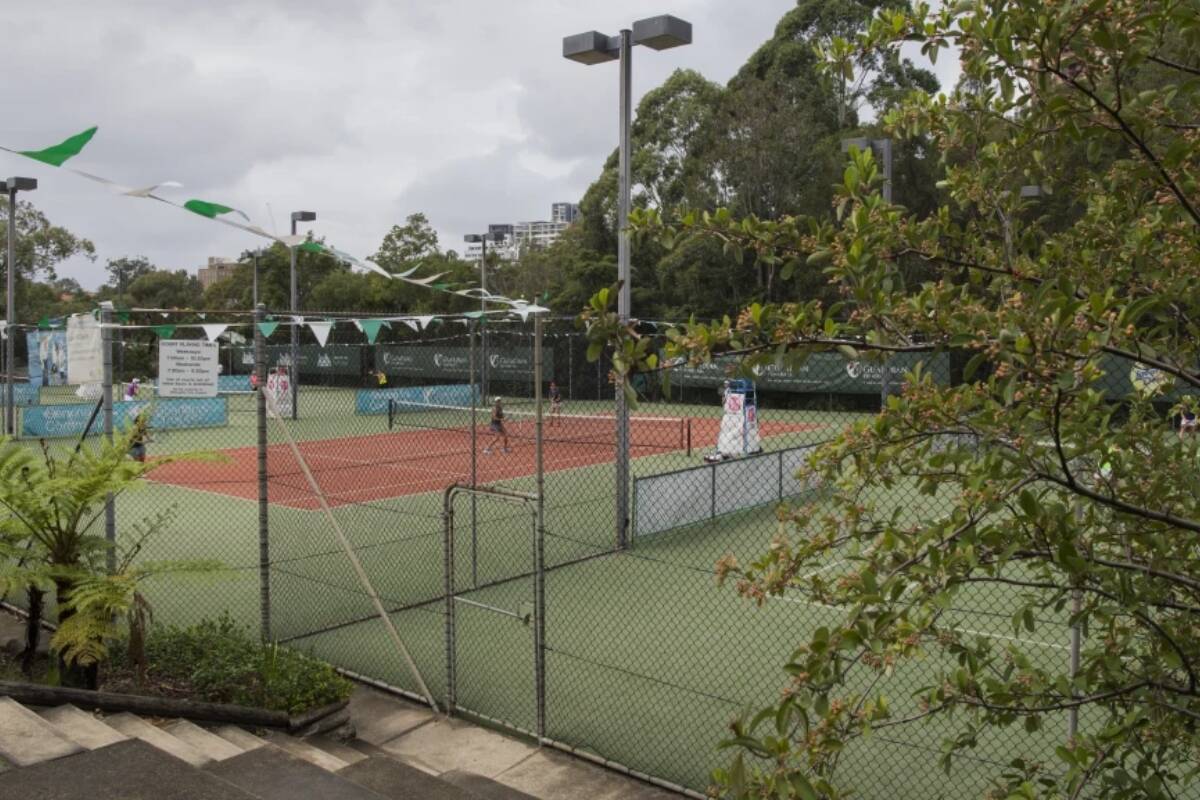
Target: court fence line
x=614 y=654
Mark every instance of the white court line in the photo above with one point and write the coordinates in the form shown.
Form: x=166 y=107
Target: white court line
x=968 y=631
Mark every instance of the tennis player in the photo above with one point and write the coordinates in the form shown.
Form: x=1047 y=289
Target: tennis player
x=497 y=426
x=131 y=389
x=555 y=403
x=141 y=436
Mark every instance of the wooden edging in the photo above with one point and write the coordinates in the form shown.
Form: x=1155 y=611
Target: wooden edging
x=36 y=694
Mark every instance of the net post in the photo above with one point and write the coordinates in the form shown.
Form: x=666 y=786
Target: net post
x=264 y=531
x=106 y=396
x=539 y=540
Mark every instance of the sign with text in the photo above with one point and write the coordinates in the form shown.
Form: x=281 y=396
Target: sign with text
x=85 y=363
x=187 y=368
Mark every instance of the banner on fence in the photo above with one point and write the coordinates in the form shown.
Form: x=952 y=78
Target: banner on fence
x=821 y=372
x=24 y=394
x=314 y=361
x=430 y=361
x=70 y=419
x=85 y=361
x=187 y=368
x=47 y=357
x=375 y=401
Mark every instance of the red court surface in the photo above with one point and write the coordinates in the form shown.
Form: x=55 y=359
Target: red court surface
x=362 y=469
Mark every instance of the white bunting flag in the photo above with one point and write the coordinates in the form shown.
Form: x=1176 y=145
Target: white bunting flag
x=321 y=331
x=213 y=332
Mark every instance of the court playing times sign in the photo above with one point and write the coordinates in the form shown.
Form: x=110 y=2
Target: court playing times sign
x=187 y=368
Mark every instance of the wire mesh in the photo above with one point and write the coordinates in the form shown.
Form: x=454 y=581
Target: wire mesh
x=646 y=658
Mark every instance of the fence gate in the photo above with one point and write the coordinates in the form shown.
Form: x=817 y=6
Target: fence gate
x=495 y=603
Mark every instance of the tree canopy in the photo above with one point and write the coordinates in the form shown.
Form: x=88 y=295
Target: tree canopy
x=1048 y=483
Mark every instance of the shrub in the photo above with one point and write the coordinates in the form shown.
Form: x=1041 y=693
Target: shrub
x=223 y=663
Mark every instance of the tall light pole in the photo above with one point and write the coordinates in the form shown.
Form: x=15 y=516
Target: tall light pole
x=593 y=47
x=12 y=186
x=482 y=239
x=294 y=370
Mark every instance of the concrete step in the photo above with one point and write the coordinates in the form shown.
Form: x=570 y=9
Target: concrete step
x=482 y=787
x=241 y=738
x=335 y=748
x=269 y=773
x=137 y=728
x=85 y=729
x=209 y=744
x=306 y=752
x=398 y=781
x=129 y=770
x=26 y=738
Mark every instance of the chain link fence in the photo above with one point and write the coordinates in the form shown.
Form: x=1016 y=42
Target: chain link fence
x=411 y=471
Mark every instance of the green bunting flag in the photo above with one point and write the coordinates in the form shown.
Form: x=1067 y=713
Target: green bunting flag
x=210 y=210
x=312 y=247
x=44 y=324
x=370 y=327
x=124 y=316
x=164 y=331
x=267 y=328
x=58 y=154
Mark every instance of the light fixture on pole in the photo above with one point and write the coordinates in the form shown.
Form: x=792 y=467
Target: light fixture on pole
x=482 y=239
x=657 y=33
x=294 y=366
x=12 y=186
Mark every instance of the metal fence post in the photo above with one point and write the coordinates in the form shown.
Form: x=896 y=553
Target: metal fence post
x=448 y=590
x=110 y=509
x=474 y=454
x=539 y=542
x=264 y=531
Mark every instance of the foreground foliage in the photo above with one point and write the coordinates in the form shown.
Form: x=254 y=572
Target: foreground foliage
x=1052 y=486
x=219 y=661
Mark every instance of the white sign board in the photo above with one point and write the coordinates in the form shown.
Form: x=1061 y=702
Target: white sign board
x=187 y=368
x=85 y=362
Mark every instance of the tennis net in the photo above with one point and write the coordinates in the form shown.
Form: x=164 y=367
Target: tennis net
x=646 y=432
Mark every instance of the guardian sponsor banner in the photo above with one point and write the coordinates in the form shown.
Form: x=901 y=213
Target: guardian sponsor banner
x=429 y=361
x=234 y=383
x=375 y=401
x=821 y=372
x=70 y=419
x=24 y=394
x=331 y=360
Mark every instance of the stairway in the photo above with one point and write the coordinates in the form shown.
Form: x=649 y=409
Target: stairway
x=66 y=753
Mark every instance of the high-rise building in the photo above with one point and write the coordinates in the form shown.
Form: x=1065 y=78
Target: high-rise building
x=218 y=269
x=534 y=233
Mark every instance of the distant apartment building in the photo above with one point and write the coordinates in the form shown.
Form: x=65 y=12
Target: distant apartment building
x=508 y=239
x=218 y=269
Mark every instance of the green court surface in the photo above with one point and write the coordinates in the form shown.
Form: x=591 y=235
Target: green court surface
x=647 y=660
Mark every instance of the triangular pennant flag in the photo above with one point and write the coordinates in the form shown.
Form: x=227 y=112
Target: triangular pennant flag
x=57 y=155
x=312 y=247
x=412 y=323
x=267 y=328
x=371 y=328
x=202 y=316
x=44 y=324
x=212 y=210
x=358 y=324
x=213 y=331
x=164 y=314
x=425 y=322
x=321 y=331
x=124 y=316
x=164 y=331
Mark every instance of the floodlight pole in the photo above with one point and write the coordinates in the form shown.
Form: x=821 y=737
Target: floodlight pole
x=12 y=186
x=294 y=367
x=658 y=33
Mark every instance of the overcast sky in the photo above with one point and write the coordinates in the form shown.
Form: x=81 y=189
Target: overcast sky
x=364 y=111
